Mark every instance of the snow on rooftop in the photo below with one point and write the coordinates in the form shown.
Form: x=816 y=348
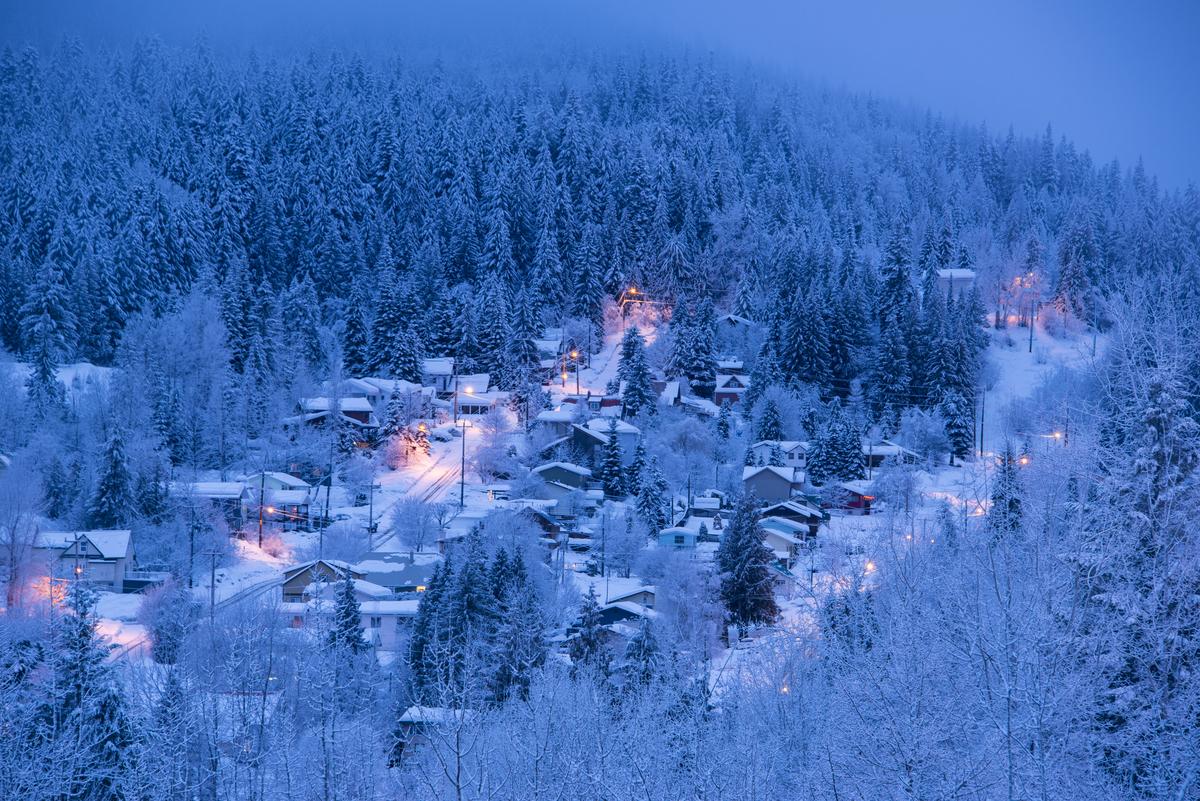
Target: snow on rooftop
x=568 y=466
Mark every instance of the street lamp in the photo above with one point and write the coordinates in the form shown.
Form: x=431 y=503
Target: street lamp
x=575 y=358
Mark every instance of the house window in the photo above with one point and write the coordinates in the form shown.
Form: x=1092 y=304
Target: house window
x=376 y=622
x=297 y=621
x=679 y=539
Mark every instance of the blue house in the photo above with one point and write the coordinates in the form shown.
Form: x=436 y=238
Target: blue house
x=679 y=538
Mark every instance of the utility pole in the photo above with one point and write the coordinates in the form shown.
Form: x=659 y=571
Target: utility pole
x=262 y=482
x=328 y=490
x=1032 y=317
x=212 y=585
x=462 y=470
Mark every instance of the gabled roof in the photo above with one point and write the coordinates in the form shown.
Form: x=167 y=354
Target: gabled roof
x=785 y=445
x=737 y=381
x=790 y=528
x=736 y=319
x=442 y=365
x=956 y=272
x=568 y=466
x=555 y=416
x=111 y=543
x=287 y=479
x=794 y=507
x=786 y=473
x=211 y=490
x=344 y=404
x=600 y=425
x=335 y=565
x=288 y=497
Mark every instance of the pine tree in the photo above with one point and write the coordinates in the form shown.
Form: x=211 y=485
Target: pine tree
x=770 y=423
x=639 y=394
x=636 y=468
x=345 y=633
x=48 y=331
x=652 y=501
x=113 y=503
x=956 y=411
x=744 y=562
x=356 y=339
x=586 y=648
x=520 y=647
x=1004 y=514
x=724 y=424
x=611 y=471
x=642 y=655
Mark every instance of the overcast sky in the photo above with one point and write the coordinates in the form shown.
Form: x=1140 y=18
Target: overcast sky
x=1121 y=79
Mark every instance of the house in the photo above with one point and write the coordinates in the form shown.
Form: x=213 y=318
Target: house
x=357 y=410
x=557 y=421
x=705 y=506
x=642 y=596
x=594 y=434
x=399 y=573
x=794 y=453
x=730 y=388
x=797 y=511
x=572 y=475
x=955 y=281
x=355 y=413
x=99 y=557
x=383 y=618
x=418 y=722
x=620 y=611
x=670 y=393
x=438 y=373
x=852 y=497
x=286 y=499
x=678 y=537
x=876 y=453
x=769 y=483
x=298 y=578
x=596 y=404
x=785 y=538
x=230 y=498
x=731 y=366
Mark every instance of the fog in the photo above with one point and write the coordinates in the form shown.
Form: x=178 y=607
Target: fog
x=1119 y=79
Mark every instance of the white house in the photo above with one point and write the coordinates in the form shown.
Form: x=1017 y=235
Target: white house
x=383 y=617
x=794 y=453
x=100 y=557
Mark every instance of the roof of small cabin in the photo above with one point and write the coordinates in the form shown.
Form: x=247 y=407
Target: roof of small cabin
x=323 y=404
x=441 y=365
x=287 y=479
x=736 y=319
x=600 y=425
x=568 y=466
x=297 y=497
x=955 y=272
x=723 y=381
x=555 y=416
x=435 y=715
x=404 y=607
x=795 y=507
x=785 y=445
x=790 y=528
x=886 y=448
x=212 y=490
x=858 y=486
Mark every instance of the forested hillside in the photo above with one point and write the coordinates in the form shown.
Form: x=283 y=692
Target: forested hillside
x=202 y=249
